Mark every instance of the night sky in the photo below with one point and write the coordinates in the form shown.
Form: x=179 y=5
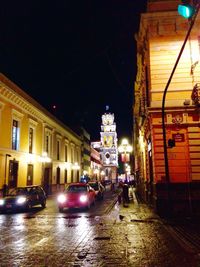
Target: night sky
x=77 y=55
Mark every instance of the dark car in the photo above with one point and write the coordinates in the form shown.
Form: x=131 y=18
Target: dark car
x=76 y=195
x=23 y=198
x=99 y=189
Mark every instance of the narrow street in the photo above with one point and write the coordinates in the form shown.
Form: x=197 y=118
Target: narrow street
x=102 y=236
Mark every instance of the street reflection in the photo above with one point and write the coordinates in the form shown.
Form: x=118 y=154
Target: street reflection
x=12 y=219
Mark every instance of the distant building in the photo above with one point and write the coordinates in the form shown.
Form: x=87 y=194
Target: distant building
x=95 y=164
x=85 y=151
x=108 y=147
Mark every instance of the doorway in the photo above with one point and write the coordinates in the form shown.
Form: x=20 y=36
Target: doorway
x=29 y=180
x=13 y=173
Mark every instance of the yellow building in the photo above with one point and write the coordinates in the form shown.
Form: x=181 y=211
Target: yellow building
x=159 y=40
x=35 y=147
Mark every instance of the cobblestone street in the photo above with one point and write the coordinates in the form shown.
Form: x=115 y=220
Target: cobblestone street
x=125 y=236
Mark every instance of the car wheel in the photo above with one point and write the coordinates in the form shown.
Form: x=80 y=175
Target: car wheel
x=43 y=204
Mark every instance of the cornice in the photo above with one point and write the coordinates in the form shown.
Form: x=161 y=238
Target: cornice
x=11 y=97
x=165 y=23
x=18 y=98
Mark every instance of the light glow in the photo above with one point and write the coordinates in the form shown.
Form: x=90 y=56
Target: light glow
x=83 y=198
x=76 y=166
x=2 y=202
x=61 y=198
x=21 y=200
x=125 y=147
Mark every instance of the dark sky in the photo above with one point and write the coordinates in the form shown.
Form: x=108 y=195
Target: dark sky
x=78 y=55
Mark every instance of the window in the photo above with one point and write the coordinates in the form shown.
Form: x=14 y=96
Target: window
x=66 y=156
x=47 y=144
x=77 y=153
x=72 y=155
x=15 y=135
x=29 y=180
x=47 y=140
x=30 y=140
x=58 y=175
x=58 y=149
x=72 y=176
x=77 y=176
x=65 y=176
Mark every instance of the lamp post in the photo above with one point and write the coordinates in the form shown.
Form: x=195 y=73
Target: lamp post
x=125 y=149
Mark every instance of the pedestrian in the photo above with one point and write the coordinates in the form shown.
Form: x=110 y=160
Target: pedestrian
x=112 y=186
x=120 y=186
x=125 y=194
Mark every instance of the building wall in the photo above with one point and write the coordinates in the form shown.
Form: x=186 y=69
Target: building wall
x=86 y=151
x=15 y=104
x=95 y=164
x=159 y=42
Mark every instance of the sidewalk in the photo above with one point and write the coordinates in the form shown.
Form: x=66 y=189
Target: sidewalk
x=186 y=231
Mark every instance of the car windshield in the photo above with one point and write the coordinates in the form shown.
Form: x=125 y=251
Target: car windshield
x=76 y=188
x=17 y=191
x=94 y=186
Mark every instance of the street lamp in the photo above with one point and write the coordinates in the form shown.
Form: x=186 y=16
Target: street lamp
x=125 y=149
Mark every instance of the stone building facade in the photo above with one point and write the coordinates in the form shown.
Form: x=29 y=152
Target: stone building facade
x=160 y=37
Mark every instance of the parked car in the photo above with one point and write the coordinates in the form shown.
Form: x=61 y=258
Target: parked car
x=76 y=195
x=23 y=198
x=99 y=189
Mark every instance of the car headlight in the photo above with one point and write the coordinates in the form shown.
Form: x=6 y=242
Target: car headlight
x=2 y=201
x=21 y=200
x=61 y=198
x=83 y=198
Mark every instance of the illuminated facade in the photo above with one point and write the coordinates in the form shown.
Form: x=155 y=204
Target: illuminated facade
x=159 y=40
x=108 y=147
x=95 y=164
x=35 y=148
x=85 y=151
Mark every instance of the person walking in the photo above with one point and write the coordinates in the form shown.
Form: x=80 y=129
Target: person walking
x=125 y=193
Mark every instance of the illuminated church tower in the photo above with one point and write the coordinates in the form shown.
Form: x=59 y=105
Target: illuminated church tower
x=108 y=146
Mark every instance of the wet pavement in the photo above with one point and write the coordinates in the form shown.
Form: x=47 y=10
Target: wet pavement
x=107 y=235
